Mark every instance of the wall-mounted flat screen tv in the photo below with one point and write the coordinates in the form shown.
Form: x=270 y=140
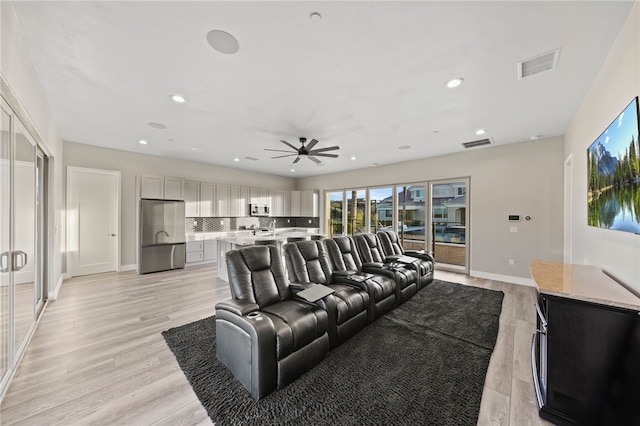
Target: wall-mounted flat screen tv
x=613 y=168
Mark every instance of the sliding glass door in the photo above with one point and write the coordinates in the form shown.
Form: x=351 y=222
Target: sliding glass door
x=5 y=244
x=411 y=216
x=450 y=223
x=335 y=201
x=356 y=203
x=381 y=208
x=22 y=243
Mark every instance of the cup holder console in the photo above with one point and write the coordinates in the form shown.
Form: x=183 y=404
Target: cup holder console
x=253 y=315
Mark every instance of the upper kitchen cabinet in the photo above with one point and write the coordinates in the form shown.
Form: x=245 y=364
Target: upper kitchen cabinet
x=239 y=200
x=173 y=188
x=286 y=203
x=191 y=198
x=295 y=203
x=308 y=203
x=263 y=196
x=223 y=196
x=208 y=199
x=151 y=186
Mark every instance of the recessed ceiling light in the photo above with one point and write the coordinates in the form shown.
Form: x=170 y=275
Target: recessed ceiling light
x=315 y=17
x=403 y=147
x=193 y=149
x=178 y=98
x=157 y=125
x=436 y=131
x=223 y=42
x=535 y=137
x=142 y=142
x=480 y=132
x=353 y=158
x=292 y=170
x=454 y=83
x=170 y=140
x=374 y=164
x=236 y=159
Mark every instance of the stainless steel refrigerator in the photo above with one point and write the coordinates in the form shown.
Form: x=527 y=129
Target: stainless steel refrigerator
x=162 y=239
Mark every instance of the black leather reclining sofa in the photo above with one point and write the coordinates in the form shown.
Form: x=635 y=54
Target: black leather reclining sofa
x=268 y=333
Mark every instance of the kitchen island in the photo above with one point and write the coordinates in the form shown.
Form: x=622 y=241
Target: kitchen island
x=279 y=239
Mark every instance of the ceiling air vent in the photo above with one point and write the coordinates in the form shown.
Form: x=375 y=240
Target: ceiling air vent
x=474 y=144
x=251 y=158
x=537 y=64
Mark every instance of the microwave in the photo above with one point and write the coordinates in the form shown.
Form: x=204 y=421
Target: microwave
x=259 y=210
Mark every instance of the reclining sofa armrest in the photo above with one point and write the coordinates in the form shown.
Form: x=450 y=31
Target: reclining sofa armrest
x=344 y=273
x=246 y=345
x=420 y=255
x=238 y=307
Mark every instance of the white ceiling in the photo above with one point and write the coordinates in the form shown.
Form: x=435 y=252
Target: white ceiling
x=369 y=77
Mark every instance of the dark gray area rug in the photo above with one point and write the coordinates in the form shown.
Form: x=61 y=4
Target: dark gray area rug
x=424 y=363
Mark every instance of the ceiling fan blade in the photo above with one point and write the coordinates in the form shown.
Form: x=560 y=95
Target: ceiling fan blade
x=282 y=156
x=296 y=160
x=312 y=144
x=324 y=155
x=314 y=159
x=288 y=144
x=331 y=148
x=277 y=150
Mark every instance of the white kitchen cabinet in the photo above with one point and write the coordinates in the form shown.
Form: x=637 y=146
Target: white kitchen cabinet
x=191 y=198
x=223 y=200
x=239 y=199
x=263 y=196
x=210 y=250
x=207 y=199
x=273 y=203
x=254 y=196
x=151 y=186
x=286 y=203
x=173 y=188
x=308 y=203
x=195 y=251
x=295 y=203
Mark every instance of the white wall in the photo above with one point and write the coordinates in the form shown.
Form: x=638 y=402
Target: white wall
x=617 y=82
x=132 y=164
x=523 y=178
x=27 y=97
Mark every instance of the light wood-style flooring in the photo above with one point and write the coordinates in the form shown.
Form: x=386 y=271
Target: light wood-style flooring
x=98 y=357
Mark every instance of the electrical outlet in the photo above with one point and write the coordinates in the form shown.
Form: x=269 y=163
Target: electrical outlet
x=222 y=222
x=512 y=262
x=309 y=221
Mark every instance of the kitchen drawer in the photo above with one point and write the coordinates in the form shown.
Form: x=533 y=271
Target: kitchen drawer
x=194 y=246
x=194 y=237
x=195 y=256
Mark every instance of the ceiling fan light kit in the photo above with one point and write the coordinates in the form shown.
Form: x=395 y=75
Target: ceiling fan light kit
x=307 y=151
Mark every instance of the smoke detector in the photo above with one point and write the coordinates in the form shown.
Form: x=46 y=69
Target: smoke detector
x=540 y=63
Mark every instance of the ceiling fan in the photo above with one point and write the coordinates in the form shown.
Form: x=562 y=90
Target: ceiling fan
x=306 y=151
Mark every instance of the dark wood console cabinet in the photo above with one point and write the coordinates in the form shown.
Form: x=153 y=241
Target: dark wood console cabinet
x=586 y=350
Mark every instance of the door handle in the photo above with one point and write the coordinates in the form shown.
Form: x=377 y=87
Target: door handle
x=4 y=262
x=14 y=257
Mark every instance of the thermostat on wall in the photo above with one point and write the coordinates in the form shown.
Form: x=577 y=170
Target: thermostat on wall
x=514 y=217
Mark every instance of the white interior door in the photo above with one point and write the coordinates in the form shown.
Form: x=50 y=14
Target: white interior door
x=92 y=220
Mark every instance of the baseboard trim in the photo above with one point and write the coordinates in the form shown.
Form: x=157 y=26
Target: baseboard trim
x=131 y=267
x=53 y=294
x=506 y=278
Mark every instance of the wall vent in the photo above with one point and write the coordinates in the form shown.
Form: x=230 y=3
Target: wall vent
x=251 y=158
x=479 y=142
x=537 y=64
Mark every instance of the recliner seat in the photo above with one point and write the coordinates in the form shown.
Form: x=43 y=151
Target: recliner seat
x=347 y=308
x=265 y=336
x=345 y=261
x=373 y=258
x=423 y=261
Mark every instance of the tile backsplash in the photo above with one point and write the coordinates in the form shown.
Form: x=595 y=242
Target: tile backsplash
x=222 y=224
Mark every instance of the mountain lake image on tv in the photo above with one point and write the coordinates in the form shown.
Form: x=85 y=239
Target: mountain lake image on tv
x=613 y=168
